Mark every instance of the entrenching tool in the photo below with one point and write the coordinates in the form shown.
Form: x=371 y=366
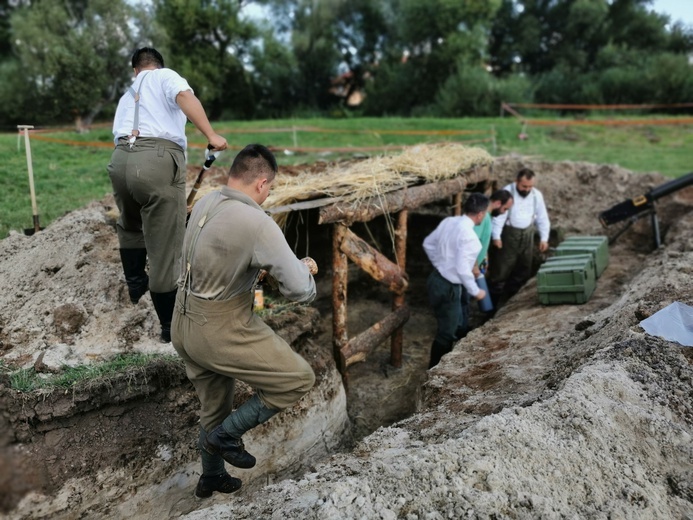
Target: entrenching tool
x=209 y=159
x=34 y=206
x=642 y=206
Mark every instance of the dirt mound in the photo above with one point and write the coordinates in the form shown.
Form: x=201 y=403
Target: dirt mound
x=541 y=412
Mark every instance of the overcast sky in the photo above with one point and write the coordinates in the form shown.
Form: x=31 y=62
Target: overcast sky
x=676 y=9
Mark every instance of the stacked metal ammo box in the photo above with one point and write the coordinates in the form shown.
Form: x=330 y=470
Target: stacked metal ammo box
x=570 y=276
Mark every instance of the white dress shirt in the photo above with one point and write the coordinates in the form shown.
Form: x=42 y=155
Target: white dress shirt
x=160 y=115
x=452 y=248
x=524 y=212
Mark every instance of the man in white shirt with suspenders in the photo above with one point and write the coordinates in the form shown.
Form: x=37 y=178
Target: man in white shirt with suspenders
x=147 y=171
x=512 y=235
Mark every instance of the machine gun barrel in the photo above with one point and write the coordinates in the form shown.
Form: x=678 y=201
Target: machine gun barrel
x=643 y=203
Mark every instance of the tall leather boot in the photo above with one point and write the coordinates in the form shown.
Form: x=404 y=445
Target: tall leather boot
x=163 y=305
x=214 y=476
x=225 y=439
x=438 y=350
x=134 y=261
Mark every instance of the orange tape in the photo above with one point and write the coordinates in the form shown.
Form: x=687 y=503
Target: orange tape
x=101 y=144
x=612 y=122
x=597 y=107
x=340 y=131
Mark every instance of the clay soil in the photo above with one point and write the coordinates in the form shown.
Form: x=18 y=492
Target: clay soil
x=542 y=412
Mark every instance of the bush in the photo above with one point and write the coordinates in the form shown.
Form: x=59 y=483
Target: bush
x=472 y=91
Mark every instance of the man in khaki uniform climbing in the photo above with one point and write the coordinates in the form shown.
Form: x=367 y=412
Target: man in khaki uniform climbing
x=228 y=242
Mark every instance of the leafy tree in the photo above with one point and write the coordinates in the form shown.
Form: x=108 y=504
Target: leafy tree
x=276 y=80
x=66 y=61
x=209 y=44
x=427 y=43
x=536 y=36
x=474 y=91
x=590 y=51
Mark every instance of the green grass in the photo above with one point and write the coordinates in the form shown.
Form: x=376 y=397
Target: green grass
x=67 y=177
x=28 y=380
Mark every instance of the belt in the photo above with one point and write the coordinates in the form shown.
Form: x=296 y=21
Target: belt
x=149 y=142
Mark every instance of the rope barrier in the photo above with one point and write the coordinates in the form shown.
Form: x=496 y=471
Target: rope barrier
x=39 y=135
x=508 y=107
x=348 y=131
x=597 y=107
x=612 y=122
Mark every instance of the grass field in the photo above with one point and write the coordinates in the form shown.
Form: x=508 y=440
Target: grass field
x=67 y=176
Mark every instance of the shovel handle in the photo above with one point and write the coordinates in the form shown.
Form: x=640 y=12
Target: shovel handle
x=30 y=168
x=210 y=158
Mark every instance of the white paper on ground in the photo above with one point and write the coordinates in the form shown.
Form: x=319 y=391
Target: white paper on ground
x=674 y=323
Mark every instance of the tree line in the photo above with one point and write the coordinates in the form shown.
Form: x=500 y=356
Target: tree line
x=65 y=61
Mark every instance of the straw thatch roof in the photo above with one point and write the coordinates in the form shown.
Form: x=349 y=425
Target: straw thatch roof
x=375 y=176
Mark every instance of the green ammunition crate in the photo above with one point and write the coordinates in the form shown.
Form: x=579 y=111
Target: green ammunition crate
x=597 y=246
x=587 y=258
x=571 y=280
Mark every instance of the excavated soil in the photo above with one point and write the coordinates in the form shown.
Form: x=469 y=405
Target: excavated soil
x=567 y=411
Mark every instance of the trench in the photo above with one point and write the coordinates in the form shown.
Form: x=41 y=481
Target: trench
x=126 y=446
x=128 y=442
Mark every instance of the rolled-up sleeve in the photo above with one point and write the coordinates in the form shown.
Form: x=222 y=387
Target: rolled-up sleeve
x=274 y=254
x=497 y=224
x=542 y=218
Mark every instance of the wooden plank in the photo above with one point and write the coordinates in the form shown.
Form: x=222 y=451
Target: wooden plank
x=358 y=348
x=305 y=204
x=377 y=265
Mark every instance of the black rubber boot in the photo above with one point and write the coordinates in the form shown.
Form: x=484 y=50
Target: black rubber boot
x=438 y=350
x=231 y=449
x=225 y=439
x=164 y=304
x=223 y=483
x=134 y=261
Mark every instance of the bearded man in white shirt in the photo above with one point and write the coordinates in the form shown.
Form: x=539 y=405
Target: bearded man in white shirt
x=512 y=238
x=453 y=248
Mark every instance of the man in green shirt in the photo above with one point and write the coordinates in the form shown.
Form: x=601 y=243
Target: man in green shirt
x=499 y=202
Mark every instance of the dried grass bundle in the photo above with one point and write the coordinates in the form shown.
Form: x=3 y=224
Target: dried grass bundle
x=435 y=163
x=378 y=175
x=372 y=177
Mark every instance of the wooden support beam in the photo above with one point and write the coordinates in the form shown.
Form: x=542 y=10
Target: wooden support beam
x=458 y=204
x=339 y=296
x=407 y=198
x=358 y=348
x=398 y=301
x=373 y=262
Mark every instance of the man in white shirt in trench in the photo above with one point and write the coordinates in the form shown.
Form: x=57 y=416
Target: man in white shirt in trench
x=512 y=238
x=452 y=248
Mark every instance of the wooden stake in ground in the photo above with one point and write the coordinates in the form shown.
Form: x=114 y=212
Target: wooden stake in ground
x=34 y=206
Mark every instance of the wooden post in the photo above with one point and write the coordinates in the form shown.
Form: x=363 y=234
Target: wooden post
x=398 y=301
x=458 y=204
x=339 y=297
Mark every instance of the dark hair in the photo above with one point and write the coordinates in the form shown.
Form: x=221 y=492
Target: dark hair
x=501 y=195
x=525 y=173
x=252 y=162
x=475 y=203
x=147 y=56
